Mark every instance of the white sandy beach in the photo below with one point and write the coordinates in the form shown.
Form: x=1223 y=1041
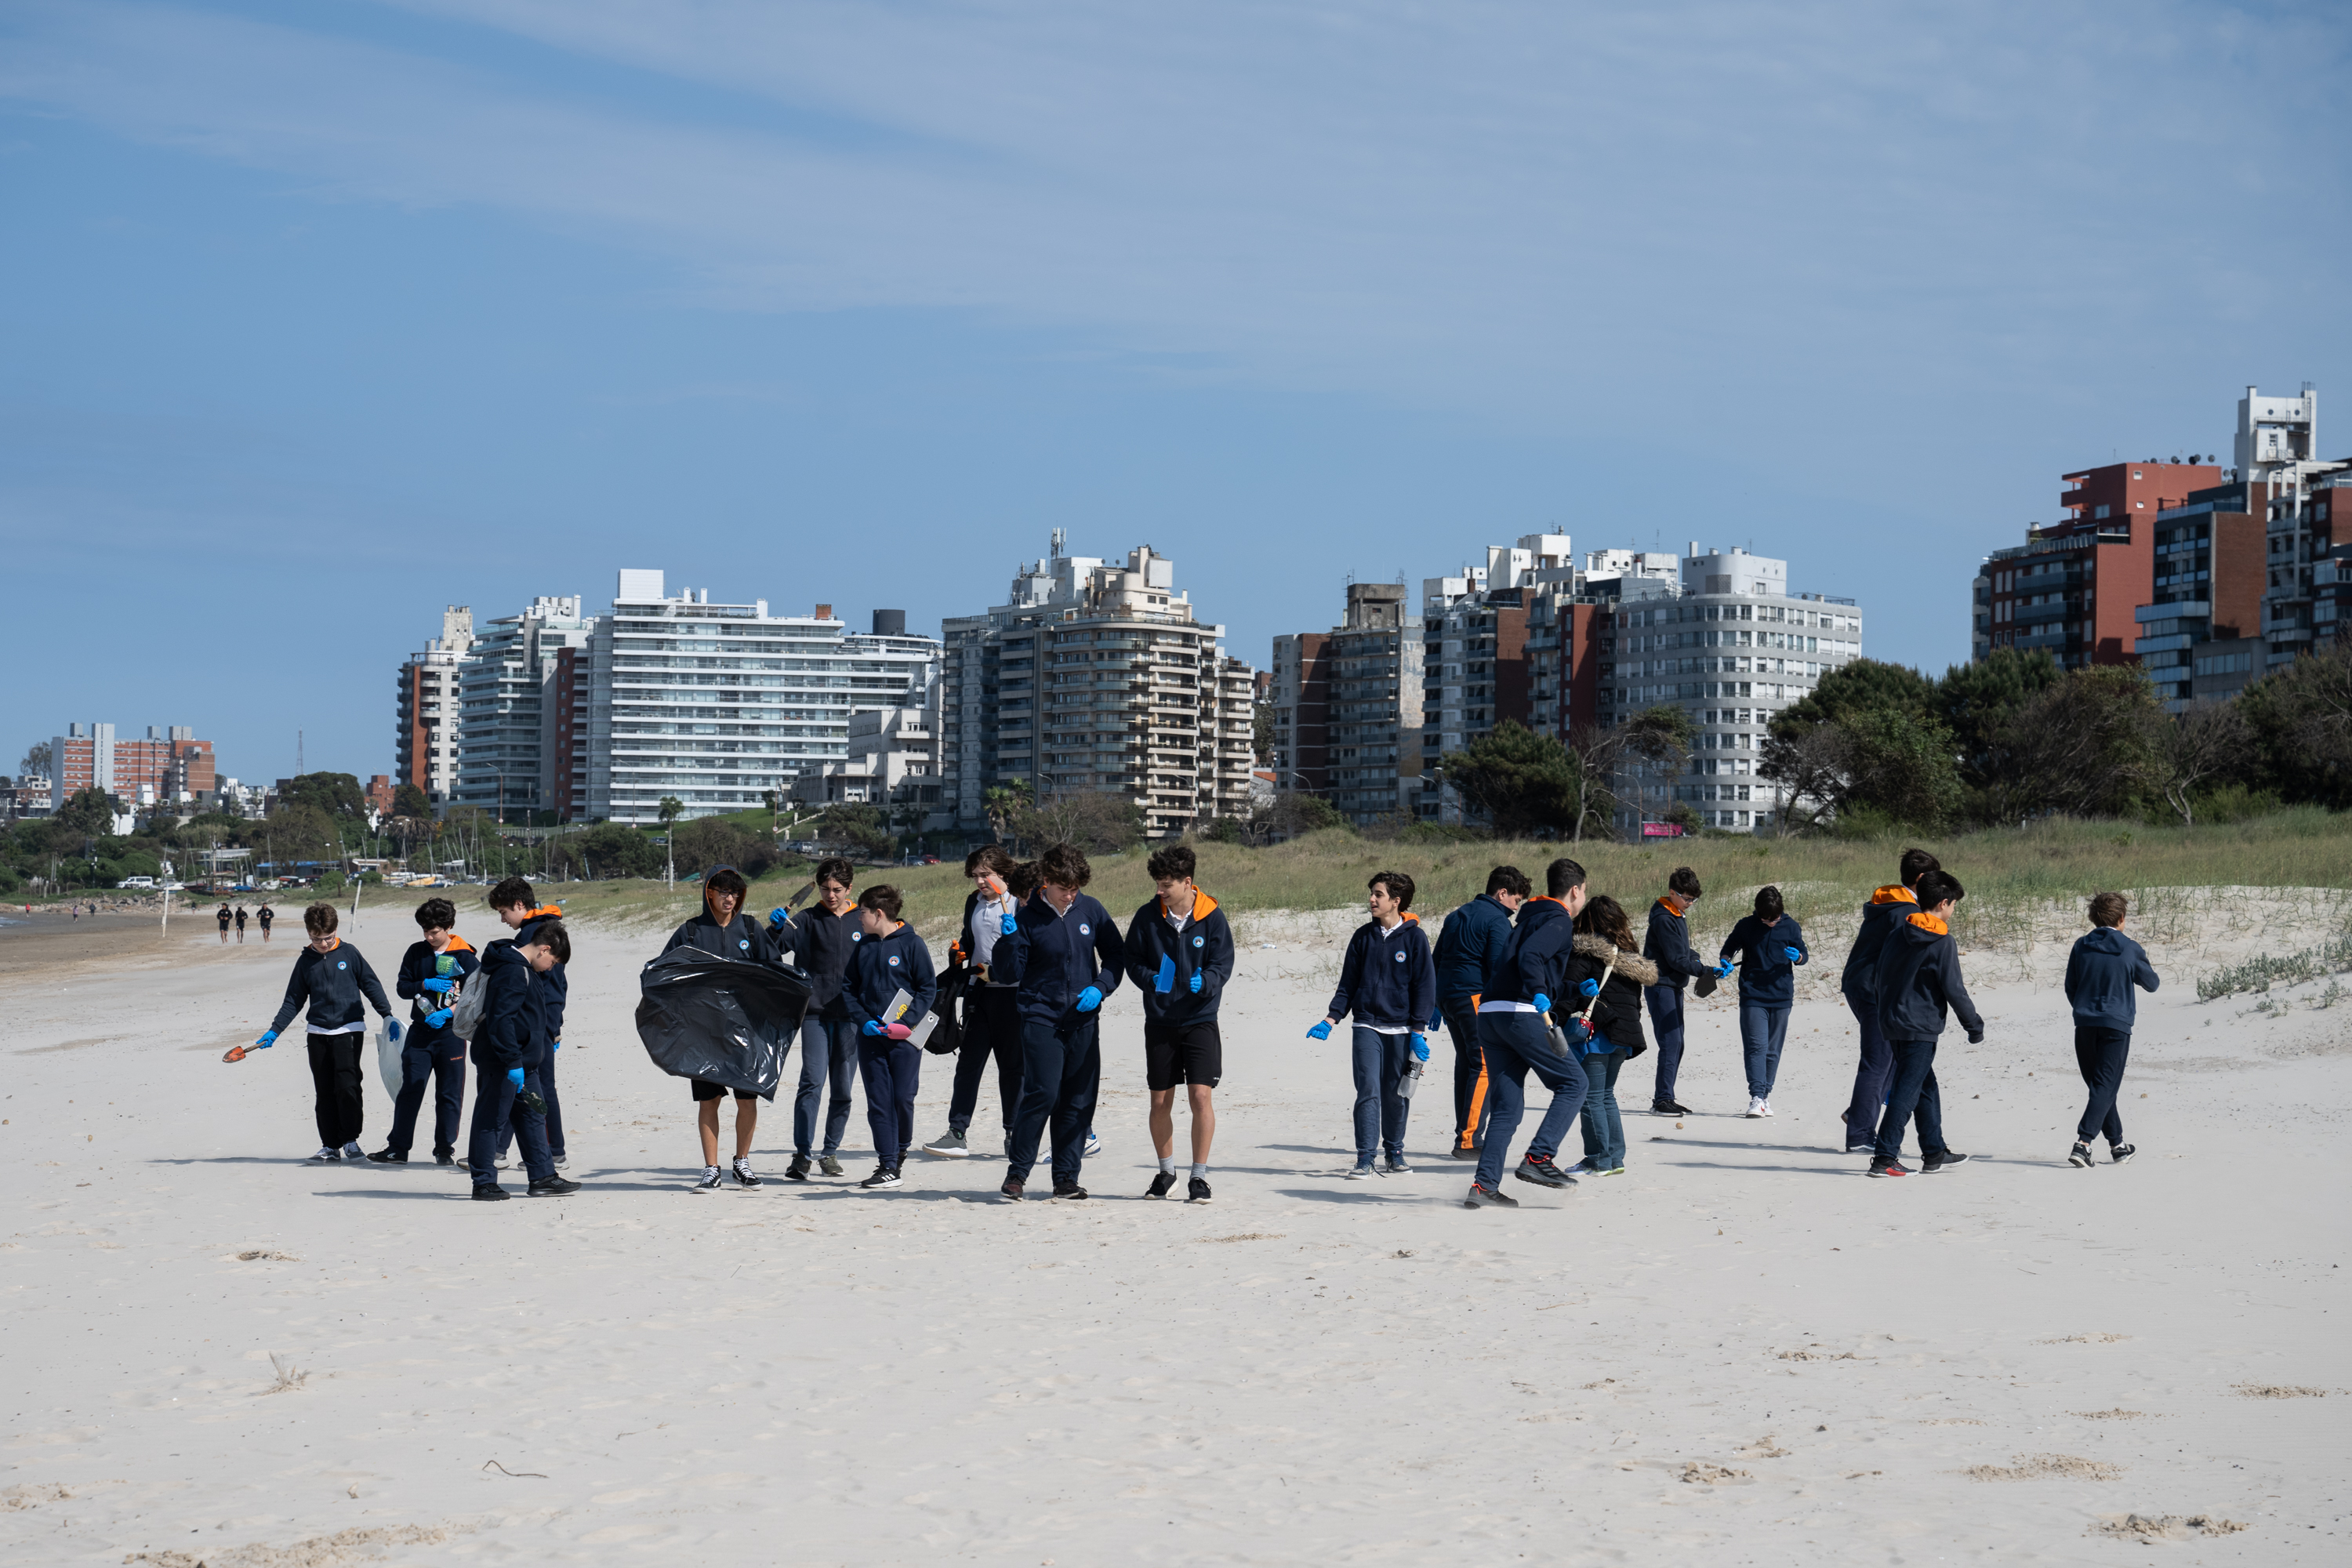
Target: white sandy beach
x=1741 y=1351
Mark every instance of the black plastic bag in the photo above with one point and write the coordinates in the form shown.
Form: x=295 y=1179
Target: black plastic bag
x=724 y=1020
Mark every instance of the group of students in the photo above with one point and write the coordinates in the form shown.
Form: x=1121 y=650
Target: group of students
x=1555 y=985
x=522 y=989
x=266 y=915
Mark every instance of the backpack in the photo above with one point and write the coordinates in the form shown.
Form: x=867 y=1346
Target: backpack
x=465 y=1008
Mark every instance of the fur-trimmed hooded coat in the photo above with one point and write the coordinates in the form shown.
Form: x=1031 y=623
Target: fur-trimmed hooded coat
x=1617 y=1016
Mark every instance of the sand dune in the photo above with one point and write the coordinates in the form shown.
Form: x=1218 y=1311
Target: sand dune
x=1740 y=1347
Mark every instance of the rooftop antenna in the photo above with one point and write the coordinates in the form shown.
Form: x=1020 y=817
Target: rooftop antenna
x=298 y=754
x=1061 y=538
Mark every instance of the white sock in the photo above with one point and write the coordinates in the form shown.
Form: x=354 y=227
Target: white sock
x=1200 y=1173
x=1167 y=1164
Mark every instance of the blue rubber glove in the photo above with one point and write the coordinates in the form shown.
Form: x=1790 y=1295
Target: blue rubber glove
x=778 y=919
x=1420 y=1050
x=1723 y=970
x=1542 y=1004
x=440 y=982
x=433 y=1020
x=1795 y=954
x=1437 y=1020
x=1165 y=981
x=1590 y=988
x=871 y=1027
x=1089 y=999
x=1196 y=982
x=266 y=1040
x=1321 y=1032
x=514 y=1077
x=554 y=1045
x=1011 y=924
x=392 y=1028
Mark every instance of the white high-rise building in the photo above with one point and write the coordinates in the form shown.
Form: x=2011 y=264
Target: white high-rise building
x=505 y=682
x=426 y=754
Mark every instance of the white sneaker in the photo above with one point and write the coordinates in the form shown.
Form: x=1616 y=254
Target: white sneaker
x=1094 y=1147
x=325 y=1156
x=1764 y=1107
x=1756 y=1107
x=1362 y=1173
x=353 y=1152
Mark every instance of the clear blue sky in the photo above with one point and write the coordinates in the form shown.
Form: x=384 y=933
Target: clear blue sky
x=318 y=316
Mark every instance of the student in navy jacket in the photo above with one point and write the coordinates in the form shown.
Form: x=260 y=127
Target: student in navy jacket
x=1668 y=946
x=1472 y=937
x=1514 y=1031
x=891 y=959
x=518 y=909
x=1180 y=953
x=1888 y=907
x=504 y=1048
x=990 y=1028
x=1389 y=982
x=331 y=979
x=2100 y=974
x=1918 y=980
x=822 y=939
x=431 y=1055
x=724 y=931
x=1064 y=955
x=1770 y=944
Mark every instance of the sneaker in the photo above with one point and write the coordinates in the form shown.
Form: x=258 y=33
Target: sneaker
x=1468 y=1152
x=743 y=1176
x=1588 y=1168
x=353 y=1152
x=2119 y=1153
x=1755 y=1107
x=1614 y=1171
x=1764 y=1108
x=1888 y=1168
x=798 y=1170
x=1938 y=1162
x=709 y=1183
x=389 y=1157
x=1487 y=1198
x=948 y=1145
x=1867 y=1147
x=1198 y=1191
x=1160 y=1184
x=326 y=1156
x=883 y=1176
x=1397 y=1167
x=2080 y=1156
x=1011 y=1189
x=828 y=1164
x=560 y=1160
x=1070 y=1190
x=445 y=1158
x=1360 y=1174
x=554 y=1186
x=491 y=1195
x=1542 y=1173
x=1093 y=1145
x=1668 y=1108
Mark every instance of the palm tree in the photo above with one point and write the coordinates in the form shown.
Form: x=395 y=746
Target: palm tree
x=1003 y=802
x=670 y=810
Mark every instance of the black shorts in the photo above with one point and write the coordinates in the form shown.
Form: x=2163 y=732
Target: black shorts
x=1182 y=1053
x=704 y=1090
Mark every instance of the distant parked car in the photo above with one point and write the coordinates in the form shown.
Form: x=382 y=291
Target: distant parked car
x=146 y=883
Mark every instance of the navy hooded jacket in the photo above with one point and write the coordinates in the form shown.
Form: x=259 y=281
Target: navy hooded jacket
x=882 y=967
x=421 y=963
x=1203 y=947
x=1388 y=981
x=1889 y=907
x=1918 y=977
x=504 y=1039
x=1535 y=962
x=823 y=941
x=552 y=990
x=1766 y=973
x=2100 y=973
x=1472 y=938
x=1667 y=945
x=1051 y=958
x=332 y=982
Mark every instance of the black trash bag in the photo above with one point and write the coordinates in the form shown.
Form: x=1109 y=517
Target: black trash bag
x=724 y=1020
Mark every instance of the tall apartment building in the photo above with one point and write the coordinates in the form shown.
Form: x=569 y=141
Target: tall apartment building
x=1475 y=667
x=506 y=709
x=1347 y=707
x=2200 y=633
x=169 y=765
x=719 y=704
x=425 y=753
x=1095 y=678
x=2277 y=451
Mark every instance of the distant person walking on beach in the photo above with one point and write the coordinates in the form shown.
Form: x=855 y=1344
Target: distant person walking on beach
x=1886 y=910
x=265 y=915
x=333 y=980
x=225 y=918
x=1918 y=980
x=1388 y=982
x=1668 y=946
x=1180 y=953
x=240 y=924
x=2100 y=973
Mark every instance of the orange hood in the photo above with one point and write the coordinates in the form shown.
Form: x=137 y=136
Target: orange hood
x=457 y=944
x=550 y=910
x=1204 y=906
x=1670 y=909
x=1930 y=923
x=1894 y=893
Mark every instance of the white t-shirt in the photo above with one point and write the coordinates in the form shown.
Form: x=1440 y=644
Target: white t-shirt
x=988 y=924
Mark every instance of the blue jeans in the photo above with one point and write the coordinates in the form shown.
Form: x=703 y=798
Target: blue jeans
x=1379 y=1062
x=1870 y=1077
x=1666 y=1022
x=1763 y=1027
x=495 y=1104
x=1604 y=1130
x=434 y=1059
x=828 y=1057
x=1515 y=1043
x=892 y=1068
x=1060 y=1075
x=1912 y=1095
x=1469 y=1074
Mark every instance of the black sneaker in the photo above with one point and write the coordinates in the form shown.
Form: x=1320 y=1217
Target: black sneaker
x=2120 y=1153
x=1197 y=1193
x=1011 y=1189
x=1938 y=1162
x=1070 y=1190
x=828 y=1164
x=491 y=1195
x=883 y=1176
x=389 y=1157
x=743 y=1176
x=554 y=1186
x=1543 y=1173
x=445 y=1158
x=709 y=1183
x=2080 y=1156
x=1159 y=1185
x=1668 y=1108
x=327 y=1156
x=1868 y=1146
x=1888 y=1168
x=1487 y=1198
x=798 y=1170
x=1469 y=1153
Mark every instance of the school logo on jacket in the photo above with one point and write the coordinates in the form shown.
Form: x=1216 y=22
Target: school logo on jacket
x=894 y=961
x=341 y=965
x=858 y=936
x=1085 y=929
x=1196 y=942
x=1399 y=958
x=745 y=942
